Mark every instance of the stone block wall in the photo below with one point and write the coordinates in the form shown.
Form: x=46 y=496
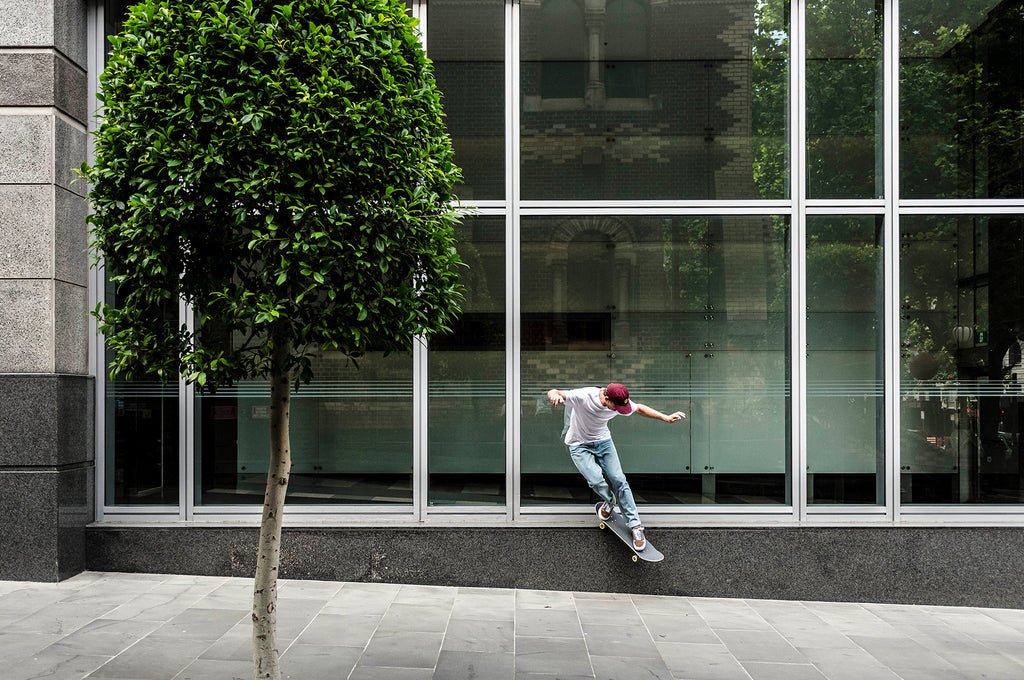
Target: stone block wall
x=46 y=395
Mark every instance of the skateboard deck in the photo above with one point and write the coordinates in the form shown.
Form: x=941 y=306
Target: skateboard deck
x=617 y=524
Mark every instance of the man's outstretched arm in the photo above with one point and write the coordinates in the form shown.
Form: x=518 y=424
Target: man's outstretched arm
x=649 y=412
x=556 y=397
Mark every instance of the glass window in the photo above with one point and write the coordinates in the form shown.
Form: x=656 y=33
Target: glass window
x=351 y=435
x=466 y=379
x=844 y=99
x=141 y=433
x=638 y=99
x=691 y=313
x=845 y=360
x=466 y=42
x=962 y=380
x=961 y=93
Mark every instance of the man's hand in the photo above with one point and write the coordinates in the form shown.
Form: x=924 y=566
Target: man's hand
x=678 y=415
x=556 y=397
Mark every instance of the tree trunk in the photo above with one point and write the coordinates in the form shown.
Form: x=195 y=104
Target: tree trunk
x=264 y=601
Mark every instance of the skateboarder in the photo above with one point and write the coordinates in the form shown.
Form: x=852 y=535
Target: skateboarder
x=593 y=452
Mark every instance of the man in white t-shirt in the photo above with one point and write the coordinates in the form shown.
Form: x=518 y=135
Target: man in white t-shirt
x=593 y=452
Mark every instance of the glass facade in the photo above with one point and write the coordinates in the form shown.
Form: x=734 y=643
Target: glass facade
x=800 y=223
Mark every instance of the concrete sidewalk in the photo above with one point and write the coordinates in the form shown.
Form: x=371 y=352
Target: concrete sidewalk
x=158 y=627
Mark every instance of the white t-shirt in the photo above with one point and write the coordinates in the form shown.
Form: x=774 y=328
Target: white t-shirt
x=588 y=421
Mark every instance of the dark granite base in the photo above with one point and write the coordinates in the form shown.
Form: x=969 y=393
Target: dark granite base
x=948 y=566
x=46 y=475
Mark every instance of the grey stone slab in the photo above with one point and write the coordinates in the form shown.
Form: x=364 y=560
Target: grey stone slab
x=381 y=673
x=69 y=29
x=103 y=637
x=27 y=24
x=160 y=604
x=26 y=78
x=452 y=665
x=620 y=612
x=902 y=654
x=304 y=662
x=729 y=614
x=426 y=595
x=70 y=245
x=26 y=231
x=204 y=625
x=555 y=656
x=418 y=618
x=71 y=94
x=629 y=668
x=679 y=628
x=476 y=635
x=979 y=625
x=69 y=148
x=700 y=661
x=71 y=326
x=548 y=623
x=26 y=149
x=985 y=665
x=852 y=619
x=544 y=599
x=760 y=670
x=236 y=645
x=523 y=675
x=26 y=321
x=402 y=649
x=485 y=606
x=217 y=669
x=294 y=616
x=616 y=640
x=151 y=659
x=50 y=665
x=848 y=664
x=661 y=604
x=760 y=645
x=336 y=630
x=353 y=599
x=16 y=644
x=307 y=590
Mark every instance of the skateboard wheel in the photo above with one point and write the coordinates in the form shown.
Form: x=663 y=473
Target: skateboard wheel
x=635 y=558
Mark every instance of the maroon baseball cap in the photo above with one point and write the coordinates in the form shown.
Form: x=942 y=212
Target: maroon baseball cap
x=619 y=395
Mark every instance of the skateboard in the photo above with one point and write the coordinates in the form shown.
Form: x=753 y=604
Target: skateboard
x=618 y=526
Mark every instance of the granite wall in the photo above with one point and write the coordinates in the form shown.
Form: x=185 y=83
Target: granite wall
x=968 y=566
x=46 y=423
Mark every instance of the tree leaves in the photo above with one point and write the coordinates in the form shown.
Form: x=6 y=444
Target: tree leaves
x=284 y=169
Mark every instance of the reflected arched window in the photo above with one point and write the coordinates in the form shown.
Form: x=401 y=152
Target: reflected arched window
x=563 y=43
x=626 y=49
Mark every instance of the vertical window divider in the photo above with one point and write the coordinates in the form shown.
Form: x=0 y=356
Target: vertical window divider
x=420 y=452
x=513 y=363
x=891 y=66
x=96 y=366
x=798 y=277
x=186 y=431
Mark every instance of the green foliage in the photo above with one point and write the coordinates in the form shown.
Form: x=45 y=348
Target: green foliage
x=770 y=98
x=285 y=169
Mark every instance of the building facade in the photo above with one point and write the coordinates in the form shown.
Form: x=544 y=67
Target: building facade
x=799 y=223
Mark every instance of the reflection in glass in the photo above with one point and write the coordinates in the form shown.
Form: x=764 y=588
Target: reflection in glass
x=962 y=379
x=466 y=379
x=637 y=99
x=961 y=93
x=845 y=360
x=844 y=99
x=466 y=42
x=351 y=436
x=141 y=432
x=691 y=313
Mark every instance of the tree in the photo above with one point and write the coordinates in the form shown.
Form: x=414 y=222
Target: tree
x=285 y=170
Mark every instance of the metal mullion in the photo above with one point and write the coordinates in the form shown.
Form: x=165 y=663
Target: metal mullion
x=513 y=364
x=186 y=430
x=798 y=277
x=96 y=366
x=890 y=42
x=420 y=373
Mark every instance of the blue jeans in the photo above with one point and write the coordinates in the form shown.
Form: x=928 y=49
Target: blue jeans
x=597 y=461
